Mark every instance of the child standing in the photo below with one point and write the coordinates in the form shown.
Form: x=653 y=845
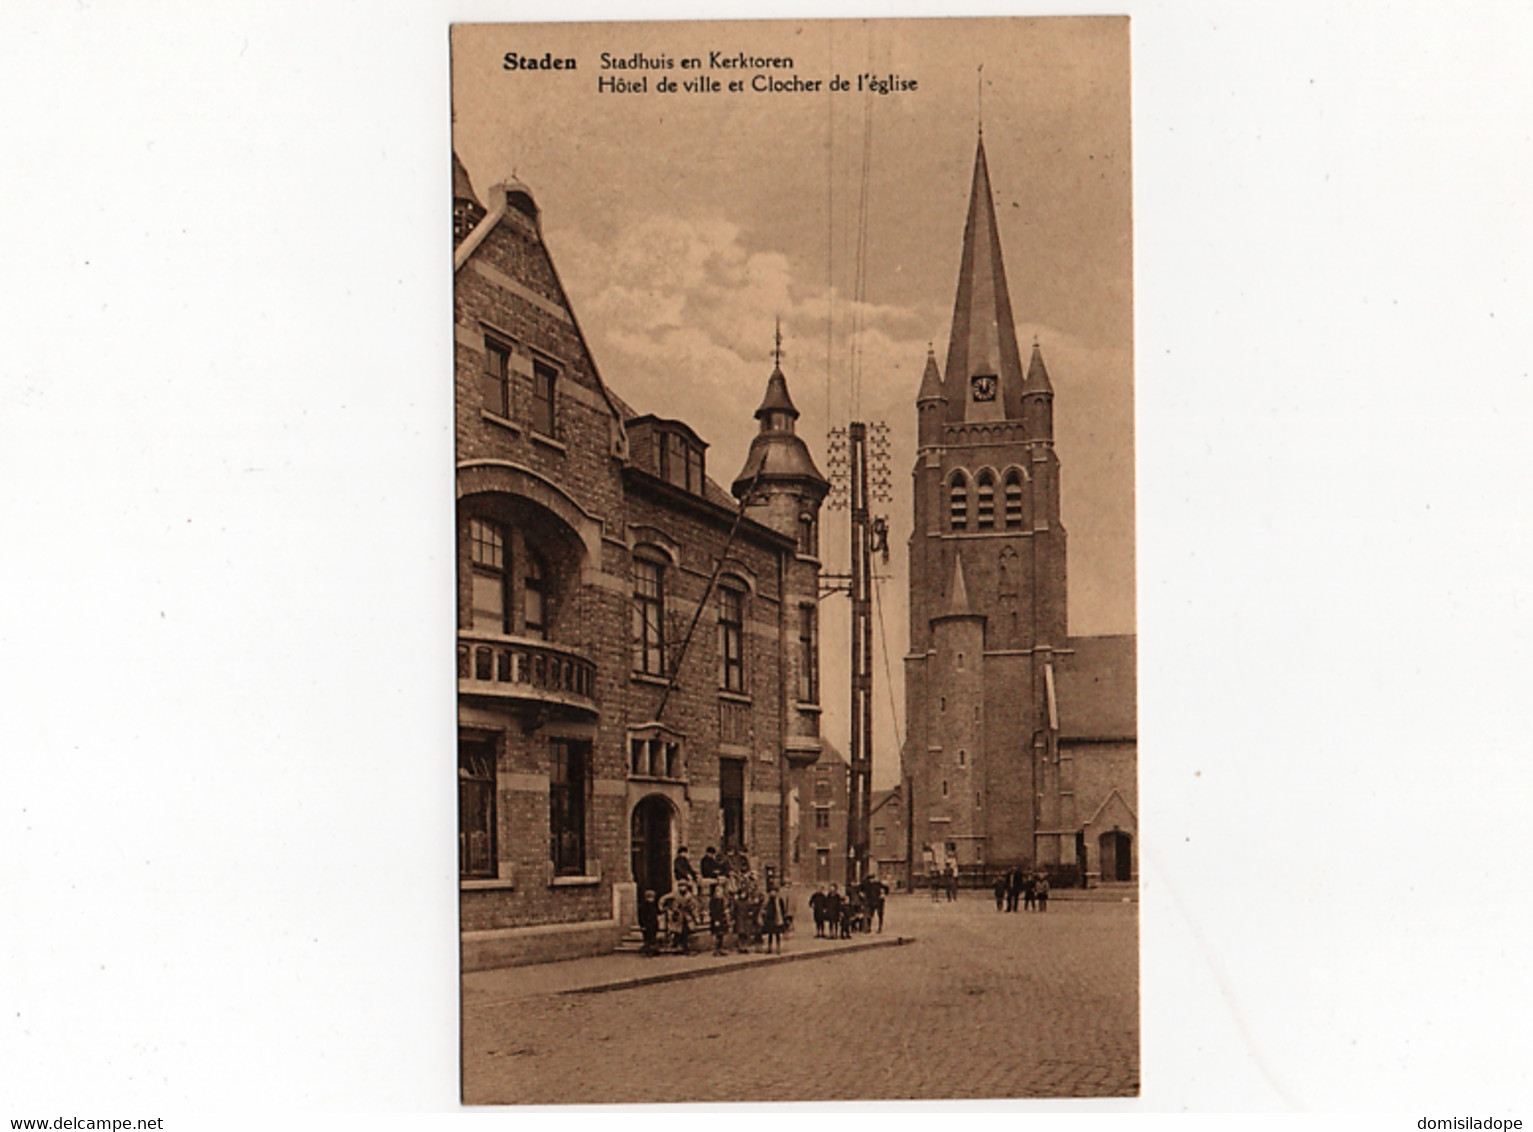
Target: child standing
x=774 y=918
x=649 y=922
x=718 y=917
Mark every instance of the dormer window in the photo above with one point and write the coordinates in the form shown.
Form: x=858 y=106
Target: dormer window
x=681 y=461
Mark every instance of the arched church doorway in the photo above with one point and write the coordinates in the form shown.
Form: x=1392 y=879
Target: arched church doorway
x=653 y=822
x=1117 y=853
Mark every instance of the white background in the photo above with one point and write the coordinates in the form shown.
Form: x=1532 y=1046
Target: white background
x=226 y=865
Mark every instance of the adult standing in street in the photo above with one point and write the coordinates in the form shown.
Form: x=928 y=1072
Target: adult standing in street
x=950 y=877
x=1000 y=891
x=1042 y=894
x=876 y=891
x=833 y=911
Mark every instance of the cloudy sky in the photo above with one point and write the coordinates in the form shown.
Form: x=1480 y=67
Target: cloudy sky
x=684 y=225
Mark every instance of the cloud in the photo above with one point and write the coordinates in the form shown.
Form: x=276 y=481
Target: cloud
x=680 y=315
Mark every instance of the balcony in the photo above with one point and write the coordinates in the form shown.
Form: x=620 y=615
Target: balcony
x=518 y=668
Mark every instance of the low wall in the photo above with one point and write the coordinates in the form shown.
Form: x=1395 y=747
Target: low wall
x=544 y=943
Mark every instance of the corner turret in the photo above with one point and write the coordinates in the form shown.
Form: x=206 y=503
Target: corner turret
x=779 y=483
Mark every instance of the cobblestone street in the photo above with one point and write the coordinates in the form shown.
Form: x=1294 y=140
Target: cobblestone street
x=982 y=1004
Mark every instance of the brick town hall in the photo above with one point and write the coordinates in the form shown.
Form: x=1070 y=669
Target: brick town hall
x=1021 y=744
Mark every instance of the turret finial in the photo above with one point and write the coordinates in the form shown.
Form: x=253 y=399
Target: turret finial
x=777 y=345
x=980 y=84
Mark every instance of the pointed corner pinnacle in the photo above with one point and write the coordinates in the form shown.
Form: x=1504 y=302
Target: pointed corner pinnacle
x=1037 y=373
x=931 y=379
x=958 y=595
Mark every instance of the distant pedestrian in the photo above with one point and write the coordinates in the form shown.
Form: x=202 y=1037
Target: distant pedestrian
x=1013 y=888
x=849 y=912
x=709 y=866
x=934 y=882
x=774 y=919
x=649 y=922
x=1000 y=892
x=950 y=876
x=1042 y=894
x=1029 y=891
x=833 y=911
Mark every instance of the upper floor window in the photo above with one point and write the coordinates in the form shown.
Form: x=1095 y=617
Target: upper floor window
x=497 y=378
x=958 y=502
x=808 y=654
x=544 y=378
x=535 y=596
x=732 y=639
x=648 y=616
x=986 y=508
x=1013 y=500
x=808 y=534
x=681 y=462
x=487 y=555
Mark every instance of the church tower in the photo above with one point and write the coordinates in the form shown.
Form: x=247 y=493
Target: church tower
x=987 y=577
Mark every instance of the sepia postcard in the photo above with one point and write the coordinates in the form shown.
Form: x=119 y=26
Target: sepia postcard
x=796 y=654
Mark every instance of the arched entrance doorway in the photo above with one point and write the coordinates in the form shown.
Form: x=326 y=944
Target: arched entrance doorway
x=653 y=821
x=1117 y=853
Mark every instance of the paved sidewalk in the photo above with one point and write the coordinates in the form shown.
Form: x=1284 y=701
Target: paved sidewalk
x=621 y=970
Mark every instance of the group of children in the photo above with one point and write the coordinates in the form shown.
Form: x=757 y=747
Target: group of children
x=837 y=915
x=728 y=898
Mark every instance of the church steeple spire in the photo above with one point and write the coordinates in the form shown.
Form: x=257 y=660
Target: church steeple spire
x=984 y=365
